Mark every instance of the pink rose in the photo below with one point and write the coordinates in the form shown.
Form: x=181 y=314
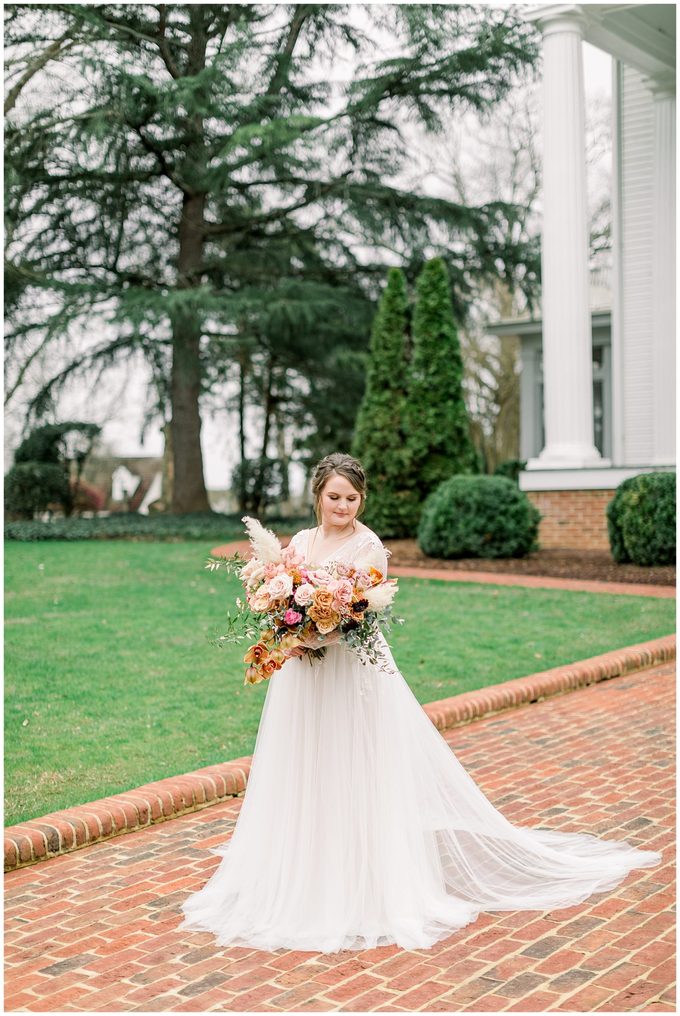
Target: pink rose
x=292 y=617
x=321 y=577
x=291 y=556
x=304 y=594
x=342 y=590
x=362 y=579
x=280 y=587
x=260 y=600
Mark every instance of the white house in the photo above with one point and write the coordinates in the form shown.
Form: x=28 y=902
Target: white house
x=605 y=374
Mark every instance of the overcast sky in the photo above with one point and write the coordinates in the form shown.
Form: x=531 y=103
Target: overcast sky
x=123 y=396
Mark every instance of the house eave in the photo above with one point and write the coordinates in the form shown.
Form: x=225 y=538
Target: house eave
x=534 y=326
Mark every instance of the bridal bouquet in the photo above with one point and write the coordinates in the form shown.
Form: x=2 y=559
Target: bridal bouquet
x=289 y=604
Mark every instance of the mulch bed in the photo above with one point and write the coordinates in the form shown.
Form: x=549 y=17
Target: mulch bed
x=565 y=564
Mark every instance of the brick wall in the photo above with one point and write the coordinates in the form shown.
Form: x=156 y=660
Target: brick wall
x=572 y=518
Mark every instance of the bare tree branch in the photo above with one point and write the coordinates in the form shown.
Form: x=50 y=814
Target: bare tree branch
x=56 y=49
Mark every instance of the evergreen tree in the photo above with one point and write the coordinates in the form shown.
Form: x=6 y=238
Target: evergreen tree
x=187 y=160
x=379 y=439
x=437 y=427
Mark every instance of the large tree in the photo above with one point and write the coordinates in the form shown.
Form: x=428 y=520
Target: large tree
x=167 y=165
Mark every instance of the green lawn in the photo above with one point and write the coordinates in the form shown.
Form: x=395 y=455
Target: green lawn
x=110 y=680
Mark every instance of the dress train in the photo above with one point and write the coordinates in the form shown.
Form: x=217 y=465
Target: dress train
x=359 y=826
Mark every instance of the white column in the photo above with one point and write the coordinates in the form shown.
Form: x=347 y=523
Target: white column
x=567 y=340
x=663 y=272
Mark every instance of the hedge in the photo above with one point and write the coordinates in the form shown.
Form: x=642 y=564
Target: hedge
x=197 y=526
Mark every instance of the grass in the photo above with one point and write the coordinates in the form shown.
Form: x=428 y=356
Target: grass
x=110 y=680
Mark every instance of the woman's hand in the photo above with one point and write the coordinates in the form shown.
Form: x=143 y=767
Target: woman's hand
x=316 y=642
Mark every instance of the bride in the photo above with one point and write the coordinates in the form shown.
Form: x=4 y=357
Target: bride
x=359 y=827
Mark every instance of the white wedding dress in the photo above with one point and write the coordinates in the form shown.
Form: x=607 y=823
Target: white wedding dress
x=360 y=828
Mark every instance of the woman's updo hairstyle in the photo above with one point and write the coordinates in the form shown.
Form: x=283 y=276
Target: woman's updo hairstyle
x=340 y=464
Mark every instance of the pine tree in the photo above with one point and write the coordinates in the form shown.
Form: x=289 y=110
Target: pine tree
x=437 y=427
x=186 y=163
x=379 y=439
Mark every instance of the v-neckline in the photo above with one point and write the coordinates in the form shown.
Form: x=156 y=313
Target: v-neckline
x=328 y=556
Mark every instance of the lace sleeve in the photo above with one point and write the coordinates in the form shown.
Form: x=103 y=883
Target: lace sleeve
x=372 y=552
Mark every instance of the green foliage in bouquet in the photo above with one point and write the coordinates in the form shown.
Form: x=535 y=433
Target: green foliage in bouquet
x=379 y=438
x=478 y=516
x=641 y=520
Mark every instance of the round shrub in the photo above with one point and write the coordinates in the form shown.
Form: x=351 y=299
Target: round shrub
x=615 y=512
x=641 y=520
x=32 y=487
x=478 y=516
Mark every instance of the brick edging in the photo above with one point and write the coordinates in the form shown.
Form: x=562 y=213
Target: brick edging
x=472 y=705
x=60 y=832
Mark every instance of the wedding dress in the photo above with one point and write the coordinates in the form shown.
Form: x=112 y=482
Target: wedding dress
x=360 y=828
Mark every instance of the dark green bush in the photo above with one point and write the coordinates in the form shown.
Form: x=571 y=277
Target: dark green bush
x=641 y=520
x=31 y=487
x=615 y=510
x=478 y=516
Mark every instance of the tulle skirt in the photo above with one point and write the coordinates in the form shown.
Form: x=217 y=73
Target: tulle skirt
x=360 y=828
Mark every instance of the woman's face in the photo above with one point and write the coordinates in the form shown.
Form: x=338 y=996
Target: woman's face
x=339 y=501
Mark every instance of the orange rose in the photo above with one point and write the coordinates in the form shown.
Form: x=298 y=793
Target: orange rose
x=323 y=613
x=322 y=599
x=325 y=617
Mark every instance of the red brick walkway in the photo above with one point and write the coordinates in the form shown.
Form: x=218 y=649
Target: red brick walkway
x=95 y=930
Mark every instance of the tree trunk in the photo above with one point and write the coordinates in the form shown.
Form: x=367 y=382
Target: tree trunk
x=243 y=487
x=258 y=491
x=283 y=454
x=189 y=493
x=168 y=467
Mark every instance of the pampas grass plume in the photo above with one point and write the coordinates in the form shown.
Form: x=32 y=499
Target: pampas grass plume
x=265 y=544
